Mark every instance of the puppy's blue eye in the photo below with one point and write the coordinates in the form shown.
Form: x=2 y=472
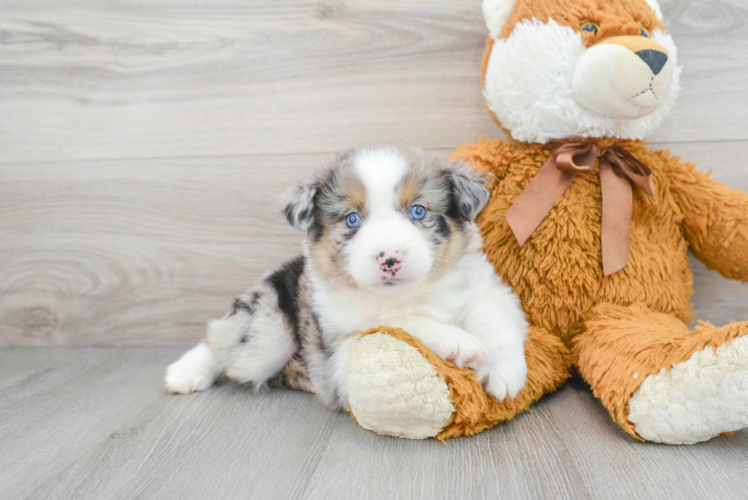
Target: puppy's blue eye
x=644 y=33
x=417 y=212
x=353 y=219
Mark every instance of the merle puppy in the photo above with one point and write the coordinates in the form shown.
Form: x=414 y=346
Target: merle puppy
x=391 y=242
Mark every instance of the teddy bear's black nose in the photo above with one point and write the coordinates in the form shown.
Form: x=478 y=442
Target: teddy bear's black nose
x=654 y=59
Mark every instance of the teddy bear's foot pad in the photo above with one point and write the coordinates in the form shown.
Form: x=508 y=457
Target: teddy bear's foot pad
x=697 y=399
x=393 y=390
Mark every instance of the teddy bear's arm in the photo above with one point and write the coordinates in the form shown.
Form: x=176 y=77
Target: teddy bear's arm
x=716 y=221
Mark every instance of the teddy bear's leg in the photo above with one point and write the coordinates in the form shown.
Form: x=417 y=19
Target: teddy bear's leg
x=660 y=381
x=398 y=387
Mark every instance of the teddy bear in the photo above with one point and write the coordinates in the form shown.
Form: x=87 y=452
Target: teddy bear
x=591 y=229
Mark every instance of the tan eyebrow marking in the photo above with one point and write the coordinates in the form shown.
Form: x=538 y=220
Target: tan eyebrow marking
x=355 y=193
x=408 y=191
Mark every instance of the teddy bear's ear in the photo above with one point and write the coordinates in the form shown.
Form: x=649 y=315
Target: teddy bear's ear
x=496 y=12
x=655 y=7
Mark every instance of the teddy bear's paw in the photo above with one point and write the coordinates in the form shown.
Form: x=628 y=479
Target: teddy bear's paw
x=394 y=390
x=697 y=399
x=504 y=378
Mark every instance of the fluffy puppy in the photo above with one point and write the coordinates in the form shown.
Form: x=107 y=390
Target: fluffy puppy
x=391 y=242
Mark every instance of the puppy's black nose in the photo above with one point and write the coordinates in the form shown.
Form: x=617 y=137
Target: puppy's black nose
x=654 y=59
x=390 y=261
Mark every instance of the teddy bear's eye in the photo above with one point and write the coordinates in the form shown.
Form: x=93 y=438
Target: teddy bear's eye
x=644 y=33
x=590 y=28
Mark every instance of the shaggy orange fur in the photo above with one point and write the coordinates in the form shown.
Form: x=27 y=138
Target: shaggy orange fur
x=617 y=347
x=616 y=325
x=619 y=18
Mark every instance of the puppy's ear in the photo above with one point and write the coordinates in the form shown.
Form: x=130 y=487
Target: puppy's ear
x=469 y=190
x=299 y=204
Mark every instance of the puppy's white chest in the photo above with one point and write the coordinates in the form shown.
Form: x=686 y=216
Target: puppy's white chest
x=348 y=312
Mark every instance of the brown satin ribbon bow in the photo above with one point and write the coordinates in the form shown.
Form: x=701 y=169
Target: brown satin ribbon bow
x=618 y=169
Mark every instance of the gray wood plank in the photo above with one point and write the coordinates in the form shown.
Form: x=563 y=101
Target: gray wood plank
x=133 y=440
x=225 y=443
x=525 y=458
x=137 y=252
x=612 y=465
x=193 y=79
x=66 y=402
x=710 y=83
x=20 y=371
x=129 y=80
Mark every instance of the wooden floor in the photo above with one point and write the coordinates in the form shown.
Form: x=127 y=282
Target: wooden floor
x=143 y=146
x=95 y=422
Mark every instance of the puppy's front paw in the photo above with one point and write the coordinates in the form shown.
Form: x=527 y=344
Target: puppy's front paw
x=458 y=347
x=506 y=377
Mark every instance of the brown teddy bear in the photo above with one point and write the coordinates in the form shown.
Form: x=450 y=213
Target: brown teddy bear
x=591 y=228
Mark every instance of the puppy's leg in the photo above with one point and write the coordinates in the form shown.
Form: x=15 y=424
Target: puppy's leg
x=449 y=342
x=327 y=360
x=251 y=344
x=256 y=340
x=196 y=370
x=498 y=321
x=295 y=375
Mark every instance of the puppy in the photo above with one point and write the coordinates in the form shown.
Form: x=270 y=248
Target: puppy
x=391 y=242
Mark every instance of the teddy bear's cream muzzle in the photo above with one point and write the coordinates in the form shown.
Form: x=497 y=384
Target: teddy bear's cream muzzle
x=623 y=78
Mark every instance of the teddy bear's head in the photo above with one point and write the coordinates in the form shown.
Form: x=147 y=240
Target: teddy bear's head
x=556 y=69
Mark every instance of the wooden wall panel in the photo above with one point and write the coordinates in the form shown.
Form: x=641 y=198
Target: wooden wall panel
x=124 y=79
x=137 y=251
x=143 y=146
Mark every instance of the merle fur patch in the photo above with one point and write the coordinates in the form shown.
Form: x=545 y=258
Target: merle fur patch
x=299 y=209
x=285 y=281
x=469 y=190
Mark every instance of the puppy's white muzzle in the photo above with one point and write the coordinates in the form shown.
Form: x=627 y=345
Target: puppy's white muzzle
x=389 y=252
x=623 y=78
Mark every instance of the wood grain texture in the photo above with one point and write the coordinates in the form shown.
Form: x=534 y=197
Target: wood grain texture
x=146 y=244
x=147 y=251
x=137 y=251
x=526 y=458
x=613 y=466
x=55 y=404
x=114 y=432
x=124 y=79
x=225 y=443
x=231 y=78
